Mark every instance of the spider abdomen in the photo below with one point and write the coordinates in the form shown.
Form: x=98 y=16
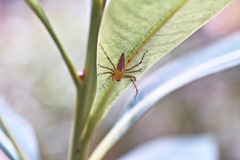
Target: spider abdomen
x=121 y=63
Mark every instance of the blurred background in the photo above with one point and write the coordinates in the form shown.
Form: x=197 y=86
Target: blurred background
x=34 y=80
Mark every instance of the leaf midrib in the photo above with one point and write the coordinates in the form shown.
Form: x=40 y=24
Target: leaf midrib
x=156 y=28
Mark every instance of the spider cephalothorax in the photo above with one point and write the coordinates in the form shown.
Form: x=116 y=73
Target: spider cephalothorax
x=120 y=72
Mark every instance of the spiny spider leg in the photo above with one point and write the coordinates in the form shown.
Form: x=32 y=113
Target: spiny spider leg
x=128 y=76
x=138 y=63
x=103 y=84
x=135 y=88
x=104 y=73
x=133 y=71
x=132 y=78
x=105 y=67
x=107 y=57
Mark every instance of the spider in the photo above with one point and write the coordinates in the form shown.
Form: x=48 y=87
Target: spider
x=119 y=72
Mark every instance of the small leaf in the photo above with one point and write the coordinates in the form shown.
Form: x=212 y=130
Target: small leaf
x=7 y=147
x=217 y=57
x=201 y=147
x=133 y=27
x=21 y=131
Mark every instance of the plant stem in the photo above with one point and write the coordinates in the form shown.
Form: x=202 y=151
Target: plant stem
x=19 y=151
x=37 y=9
x=85 y=87
x=80 y=147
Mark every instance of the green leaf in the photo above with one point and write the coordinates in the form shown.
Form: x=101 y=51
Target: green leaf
x=214 y=58
x=132 y=27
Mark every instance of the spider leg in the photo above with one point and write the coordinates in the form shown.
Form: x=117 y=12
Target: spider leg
x=128 y=76
x=105 y=67
x=102 y=85
x=104 y=73
x=133 y=71
x=107 y=57
x=132 y=78
x=138 y=63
